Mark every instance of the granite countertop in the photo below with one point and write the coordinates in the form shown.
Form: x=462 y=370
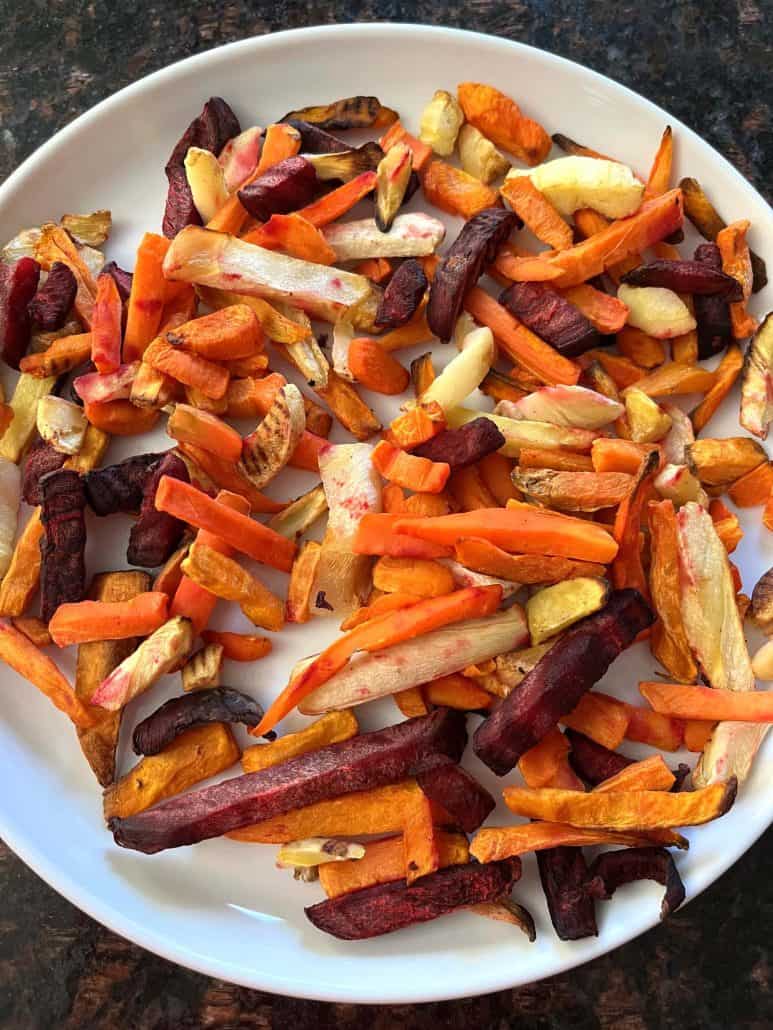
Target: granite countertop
x=708 y=63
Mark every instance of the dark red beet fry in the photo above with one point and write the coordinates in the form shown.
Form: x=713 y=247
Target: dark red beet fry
x=556 y=684
x=466 y=801
x=387 y=907
x=563 y=873
x=219 y=704
x=210 y=131
x=459 y=270
x=51 y=304
x=402 y=295
x=613 y=869
x=593 y=762
x=41 y=459
x=287 y=186
x=694 y=277
x=711 y=313
x=18 y=284
x=156 y=534
x=120 y=488
x=63 y=570
x=551 y=317
x=464 y=446
x=367 y=760
x=315 y=140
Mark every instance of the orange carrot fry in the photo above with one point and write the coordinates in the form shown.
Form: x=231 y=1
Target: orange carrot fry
x=646 y=727
x=329 y=729
x=239 y=647
x=28 y=661
x=726 y=524
x=106 y=325
x=189 y=425
x=644 y=350
x=519 y=343
x=627 y=569
x=408 y=335
x=387 y=603
x=660 y=174
x=610 y=455
x=190 y=369
x=622 y=371
x=410 y=471
x=298 y=606
x=708 y=704
x=540 y=764
x=375 y=368
x=248 y=537
x=294 y=235
x=498 y=842
x=230 y=333
x=419 y=845
x=697 y=734
x=33 y=628
x=521 y=267
x=649 y=774
x=754 y=488
x=168 y=579
x=84 y=621
x=427 y=504
x=396 y=134
x=456 y=191
x=421 y=576
x=378 y=270
x=376 y=535
x=607 y=314
x=146 y=300
x=726 y=373
x=554 y=458
x=457 y=691
x=227 y=477
x=410 y=702
x=63 y=355
x=668 y=639
x=384 y=631
x=120 y=418
x=537 y=213
x=469 y=491
x=495 y=471
x=500 y=119
x=519 y=529
x=600 y=717
x=336 y=203
x=736 y=261
x=416 y=426
x=485 y=557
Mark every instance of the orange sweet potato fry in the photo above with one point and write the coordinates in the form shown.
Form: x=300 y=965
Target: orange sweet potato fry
x=208 y=432
x=410 y=702
x=348 y=407
x=34 y=629
x=600 y=717
x=63 y=355
x=549 y=458
x=649 y=774
x=387 y=603
x=659 y=178
x=336 y=203
x=190 y=369
x=674 y=378
x=427 y=504
x=421 y=576
x=416 y=426
x=500 y=119
x=607 y=314
x=622 y=371
x=376 y=535
x=57 y=245
x=483 y=556
x=469 y=491
x=725 y=376
x=496 y=472
x=541 y=763
x=628 y=568
x=736 y=261
x=660 y=731
x=644 y=350
x=414 y=331
x=514 y=264
x=697 y=734
x=146 y=300
x=227 y=334
x=457 y=691
x=297 y=608
x=668 y=639
x=609 y=455
x=726 y=524
x=498 y=842
x=455 y=191
x=293 y=235
x=239 y=647
x=378 y=270
x=329 y=729
x=537 y=213
x=409 y=471
x=754 y=488
x=419 y=845
x=375 y=368
x=120 y=418
x=708 y=704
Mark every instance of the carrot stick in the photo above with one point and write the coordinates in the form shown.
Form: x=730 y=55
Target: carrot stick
x=336 y=203
x=63 y=355
x=376 y=535
x=520 y=343
x=455 y=191
x=146 y=300
x=610 y=455
x=646 y=727
x=230 y=333
x=518 y=529
x=539 y=764
x=189 y=425
x=600 y=717
x=469 y=491
x=554 y=458
x=753 y=488
x=736 y=261
x=294 y=235
x=227 y=477
x=410 y=471
x=536 y=212
x=408 y=335
x=697 y=734
x=397 y=134
x=387 y=603
x=627 y=569
x=384 y=631
x=378 y=270
x=189 y=369
x=649 y=774
x=660 y=173
x=120 y=418
x=28 y=661
x=726 y=373
x=239 y=647
x=421 y=576
x=329 y=729
x=605 y=313
x=84 y=621
x=374 y=367
x=485 y=557
x=248 y=537
x=106 y=326
x=707 y=703
x=622 y=371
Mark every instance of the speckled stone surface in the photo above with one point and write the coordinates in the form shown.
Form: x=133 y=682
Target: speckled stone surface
x=709 y=967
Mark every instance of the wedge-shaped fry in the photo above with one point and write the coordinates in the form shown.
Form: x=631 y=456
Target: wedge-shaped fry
x=650 y=774
x=628 y=568
x=195 y=755
x=640 y=347
x=217 y=260
x=268 y=449
x=62 y=355
x=500 y=119
x=224 y=577
x=34 y=629
x=342 y=575
x=483 y=556
x=574 y=491
x=708 y=704
x=497 y=842
x=520 y=433
x=721 y=462
x=349 y=408
x=362 y=813
x=576 y=182
x=411 y=235
x=752 y=489
x=479 y=156
x=647 y=422
x=574 y=406
x=674 y=378
x=348 y=113
x=715 y=632
x=456 y=192
x=299 y=591
x=537 y=212
x=599 y=717
x=757 y=384
x=632 y=810
x=161 y=652
x=656 y=311
x=300 y=515
x=554 y=609
x=330 y=729
x=541 y=763
x=393 y=177
x=668 y=639
x=414 y=662
x=736 y=261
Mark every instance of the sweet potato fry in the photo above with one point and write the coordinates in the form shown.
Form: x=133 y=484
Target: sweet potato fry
x=540 y=764
x=455 y=191
x=188 y=425
x=660 y=172
x=632 y=810
x=483 y=556
x=556 y=459
x=397 y=134
x=378 y=270
x=63 y=355
x=500 y=119
x=376 y=535
x=225 y=578
x=195 y=755
x=753 y=488
x=457 y=691
x=190 y=369
x=610 y=455
x=622 y=371
x=410 y=471
x=293 y=235
x=574 y=491
x=650 y=774
x=348 y=407
x=146 y=300
x=725 y=375
x=410 y=702
x=239 y=647
x=55 y=244
x=736 y=261
x=496 y=472
x=627 y=568
x=86 y=621
x=297 y=608
x=34 y=629
x=600 y=717
x=536 y=212
x=227 y=334
x=720 y=462
x=420 y=849
x=644 y=350
x=674 y=378
x=605 y=313
x=374 y=367
x=20 y=582
x=329 y=729
x=658 y=731
x=697 y=734
x=668 y=640
x=503 y=841
x=469 y=491
x=422 y=577
x=705 y=703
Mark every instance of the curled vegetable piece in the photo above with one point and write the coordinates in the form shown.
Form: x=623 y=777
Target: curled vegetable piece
x=51 y=304
x=563 y=873
x=613 y=869
x=218 y=704
x=387 y=907
x=461 y=267
x=267 y=450
x=156 y=534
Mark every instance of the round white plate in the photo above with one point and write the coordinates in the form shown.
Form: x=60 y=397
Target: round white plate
x=221 y=907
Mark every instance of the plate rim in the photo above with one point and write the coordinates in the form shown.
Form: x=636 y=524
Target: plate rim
x=156 y=940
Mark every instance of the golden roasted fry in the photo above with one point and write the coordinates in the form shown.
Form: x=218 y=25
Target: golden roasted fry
x=225 y=578
x=650 y=774
x=668 y=639
x=302 y=576
x=719 y=462
x=329 y=729
x=498 y=842
x=202 y=670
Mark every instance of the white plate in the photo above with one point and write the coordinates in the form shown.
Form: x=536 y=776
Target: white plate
x=221 y=907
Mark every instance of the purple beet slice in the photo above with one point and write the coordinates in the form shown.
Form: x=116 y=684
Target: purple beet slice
x=287 y=186
x=402 y=296
x=551 y=317
x=155 y=535
x=120 y=488
x=466 y=801
x=50 y=305
x=41 y=459
x=63 y=569
x=563 y=873
x=18 y=285
x=464 y=446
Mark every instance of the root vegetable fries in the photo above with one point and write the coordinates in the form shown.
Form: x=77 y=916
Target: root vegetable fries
x=421 y=577
x=384 y=861
x=658 y=731
x=519 y=343
x=294 y=235
x=515 y=264
x=707 y=704
x=120 y=418
x=522 y=528
x=185 y=502
x=349 y=408
x=297 y=517
x=17 y=651
x=239 y=647
x=641 y=348
x=726 y=524
x=386 y=603
x=660 y=172
x=397 y=134
x=483 y=556
x=496 y=471
x=87 y=621
x=364 y=812
x=378 y=270
x=605 y=313
x=499 y=842
x=23 y=576
x=190 y=369
x=267 y=450
x=330 y=729
x=500 y=119
x=146 y=300
x=56 y=245
x=469 y=491
x=537 y=213
x=245 y=368
x=385 y=631
x=725 y=375
x=464 y=372
x=224 y=335
x=157 y=655
x=520 y=433
x=224 y=577
x=420 y=851
x=632 y=810
x=574 y=491
x=411 y=702
x=301 y=583
x=620 y=370
x=457 y=691
x=417 y=661
x=627 y=568
x=416 y=426
x=408 y=335
x=668 y=640
x=106 y=326
x=600 y=717
x=736 y=261
x=336 y=203
x=609 y=455
x=540 y=764
x=675 y=378
x=410 y=471
x=168 y=579
x=650 y=774
x=374 y=367
x=697 y=734
x=189 y=425
x=455 y=191
x=754 y=488
x=34 y=629
x=554 y=458
x=227 y=476
x=276 y=326
x=64 y=354
x=195 y=755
